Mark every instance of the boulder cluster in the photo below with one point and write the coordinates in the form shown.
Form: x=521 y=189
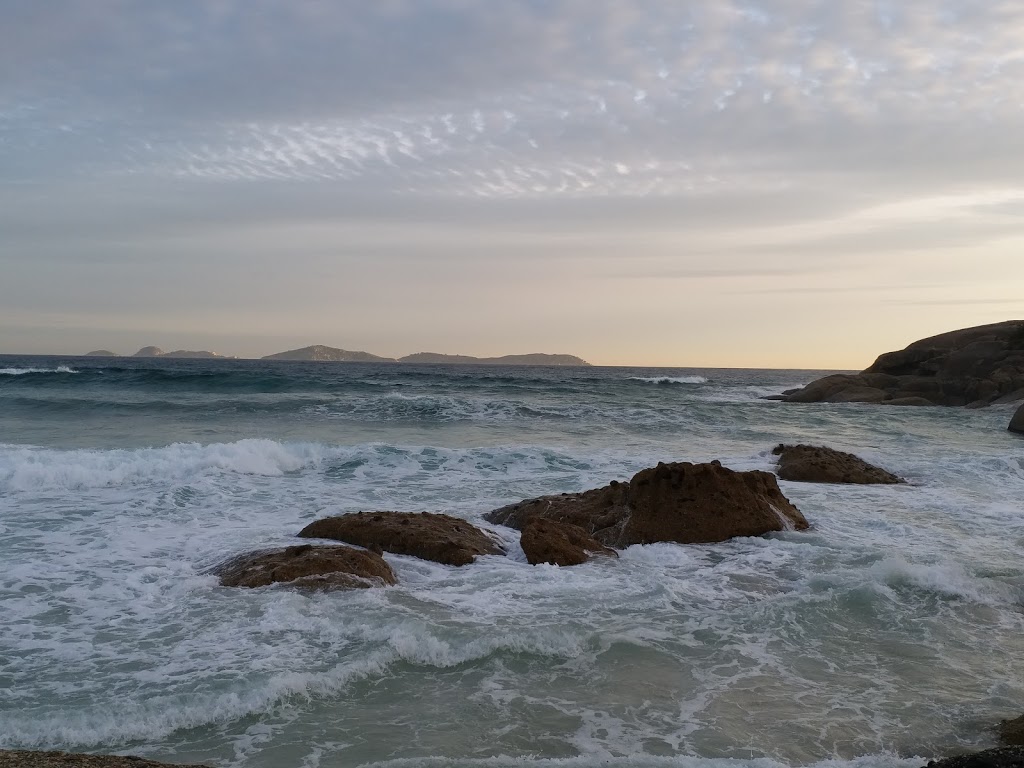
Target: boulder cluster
x=676 y=502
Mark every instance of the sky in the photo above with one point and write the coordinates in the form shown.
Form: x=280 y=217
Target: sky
x=772 y=183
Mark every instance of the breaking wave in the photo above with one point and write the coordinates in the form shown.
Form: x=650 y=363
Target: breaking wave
x=25 y=371
x=670 y=379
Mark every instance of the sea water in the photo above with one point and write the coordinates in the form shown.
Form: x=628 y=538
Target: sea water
x=891 y=631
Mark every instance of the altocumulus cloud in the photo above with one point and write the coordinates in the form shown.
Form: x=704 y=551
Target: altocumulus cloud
x=506 y=98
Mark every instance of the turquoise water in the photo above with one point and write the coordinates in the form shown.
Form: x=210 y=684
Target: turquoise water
x=892 y=630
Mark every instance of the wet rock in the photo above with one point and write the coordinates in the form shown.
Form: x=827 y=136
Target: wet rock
x=549 y=541
x=1011 y=732
x=916 y=401
x=680 y=502
x=818 y=464
x=441 y=538
x=308 y=567
x=23 y=758
x=1017 y=422
x=972 y=366
x=1000 y=757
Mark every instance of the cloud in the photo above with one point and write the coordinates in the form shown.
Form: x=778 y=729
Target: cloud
x=789 y=142
x=511 y=99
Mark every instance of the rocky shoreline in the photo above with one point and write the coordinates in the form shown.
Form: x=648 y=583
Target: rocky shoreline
x=971 y=367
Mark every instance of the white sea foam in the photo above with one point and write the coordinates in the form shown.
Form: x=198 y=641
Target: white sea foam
x=947 y=579
x=670 y=379
x=892 y=626
x=23 y=371
x=24 y=469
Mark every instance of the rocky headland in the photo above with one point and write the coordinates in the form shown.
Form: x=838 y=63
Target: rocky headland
x=970 y=367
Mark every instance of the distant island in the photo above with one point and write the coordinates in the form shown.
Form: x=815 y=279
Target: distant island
x=318 y=352
x=321 y=353
x=157 y=352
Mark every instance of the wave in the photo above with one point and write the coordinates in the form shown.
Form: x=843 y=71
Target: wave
x=25 y=371
x=670 y=379
x=23 y=469
x=383 y=648
x=30 y=469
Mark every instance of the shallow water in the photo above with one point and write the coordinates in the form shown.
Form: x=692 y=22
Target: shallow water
x=890 y=631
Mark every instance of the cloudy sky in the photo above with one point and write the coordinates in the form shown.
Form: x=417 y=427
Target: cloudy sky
x=767 y=183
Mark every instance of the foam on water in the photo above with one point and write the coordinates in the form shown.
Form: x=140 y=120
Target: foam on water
x=670 y=379
x=893 y=627
x=24 y=371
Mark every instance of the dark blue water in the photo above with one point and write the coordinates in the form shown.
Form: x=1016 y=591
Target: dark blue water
x=143 y=402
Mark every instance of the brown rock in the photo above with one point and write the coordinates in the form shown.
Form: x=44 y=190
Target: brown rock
x=680 y=502
x=442 y=538
x=1011 y=732
x=600 y=512
x=818 y=464
x=23 y=758
x=549 y=541
x=1017 y=422
x=307 y=566
x=977 y=366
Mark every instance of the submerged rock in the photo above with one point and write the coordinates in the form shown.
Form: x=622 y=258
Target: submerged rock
x=307 y=566
x=1017 y=422
x=1000 y=757
x=442 y=538
x=818 y=464
x=549 y=541
x=24 y=758
x=972 y=366
x=680 y=502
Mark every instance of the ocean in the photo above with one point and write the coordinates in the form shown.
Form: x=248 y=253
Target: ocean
x=890 y=632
